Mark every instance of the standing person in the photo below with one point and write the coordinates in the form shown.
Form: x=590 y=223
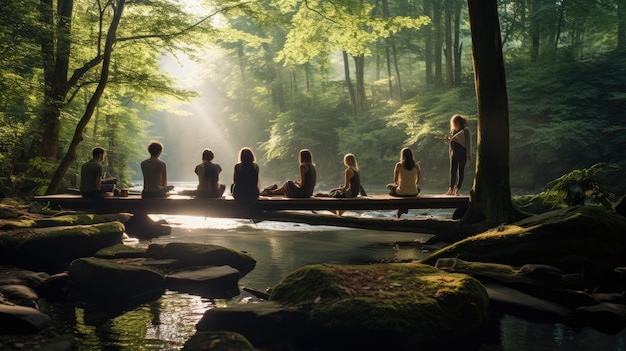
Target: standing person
x=406 y=175
x=460 y=141
x=351 y=180
x=91 y=175
x=154 y=173
x=302 y=188
x=246 y=176
x=209 y=176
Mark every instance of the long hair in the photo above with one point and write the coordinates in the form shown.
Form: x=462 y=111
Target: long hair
x=350 y=161
x=246 y=155
x=306 y=156
x=459 y=120
x=406 y=157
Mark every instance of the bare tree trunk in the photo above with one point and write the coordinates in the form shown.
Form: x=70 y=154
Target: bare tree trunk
x=397 y=68
x=458 y=45
x=438 y=45
x=55 y=49
x=559 y=25
x=346 y=70
x=70 y=156
x=359 y=67
x=490 y=198
x=385 y=6
x=535 y=28
x=621 y=24
x=428 y=43
x=448 y=43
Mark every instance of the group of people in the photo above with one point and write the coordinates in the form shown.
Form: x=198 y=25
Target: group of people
x=246 y=184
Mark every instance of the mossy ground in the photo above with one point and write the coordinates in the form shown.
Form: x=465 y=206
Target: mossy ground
x=589 y=239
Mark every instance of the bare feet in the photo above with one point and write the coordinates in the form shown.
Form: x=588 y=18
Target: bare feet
x=450 y=191
x=339 y=212
x=457 y=192
x=400 y=212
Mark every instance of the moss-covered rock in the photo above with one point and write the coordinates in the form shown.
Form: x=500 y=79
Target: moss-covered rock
x=96 y=279
x=57 y=221
x=408 y=304
x=190 y=254
x=218 y=341
x=589 y=239
x=51 y=250
x=120 y=251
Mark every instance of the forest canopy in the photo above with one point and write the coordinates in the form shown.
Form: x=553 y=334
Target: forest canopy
x=366 y=77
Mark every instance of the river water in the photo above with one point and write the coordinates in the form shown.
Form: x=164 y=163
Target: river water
x=279 y=248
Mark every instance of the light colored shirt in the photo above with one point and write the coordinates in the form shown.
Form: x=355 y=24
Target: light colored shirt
x=407 y=180
x=464 y=138
x=153 y=171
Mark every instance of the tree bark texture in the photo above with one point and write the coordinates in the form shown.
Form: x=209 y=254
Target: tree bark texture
x=448 y=42
x=438 y=42
x=428 y=43
x=621 y=24
x=346 y=71
x=70 y=156
x=490 y=198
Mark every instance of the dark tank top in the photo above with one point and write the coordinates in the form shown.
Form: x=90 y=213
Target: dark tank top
x=355 y=185
x=306 y=190
x=246 y=187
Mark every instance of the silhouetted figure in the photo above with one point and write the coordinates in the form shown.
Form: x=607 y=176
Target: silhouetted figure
x=154 y=173
x=209 y=176
x=246 y=177
x=302 y=188
x=91 y=175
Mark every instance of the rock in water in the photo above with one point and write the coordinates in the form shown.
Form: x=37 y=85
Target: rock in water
x=607 y=317
x=588 y=239
x=218 y=341
x=98 y=279
x=55 y=288
x=215 y=282
x=22 y=320
x=190 y=255
x=52 y=249
x=120 y=251
x=20 y=295
x=369 y=307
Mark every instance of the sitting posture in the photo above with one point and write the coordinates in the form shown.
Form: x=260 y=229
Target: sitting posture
x=302 y=188
x=91 y=175
x=351 y=181
x=246 y=177
x=406 y=175
x=154 y=173
x=209 y=176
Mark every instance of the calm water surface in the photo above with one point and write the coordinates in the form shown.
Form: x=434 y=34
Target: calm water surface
x=279 y=248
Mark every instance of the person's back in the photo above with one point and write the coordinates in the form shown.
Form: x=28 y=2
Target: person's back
x=407 y=180
x=247 y=180
x=153 y=170
x=91 y=175
x=209 y=176
x=355 y=184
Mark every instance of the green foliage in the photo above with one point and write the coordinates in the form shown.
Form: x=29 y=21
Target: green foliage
x=583 y=186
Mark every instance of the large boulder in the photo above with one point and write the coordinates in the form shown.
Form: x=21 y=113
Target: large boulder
x=588 y=239
x=368 y=307
x=10 y=275
x=22 y=320
x=20 y=295
x=120 y=251
x=53 y=249
x=190 y=254
x=217 y=341
x=57 y=221
x=214 y=282
x=97 y=279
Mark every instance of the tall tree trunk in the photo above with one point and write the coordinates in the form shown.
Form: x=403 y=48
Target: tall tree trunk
x=428 y=43
x=346 y=71
x=397 y=68
x=448 y=43
x=389 y=76
x=437 y=44
x=490 y=198
x=534 y=28
x=559 y=25
x=359 y=68
x=55 y=50
x=621 y=24
x=70 y=155
x=458 y=45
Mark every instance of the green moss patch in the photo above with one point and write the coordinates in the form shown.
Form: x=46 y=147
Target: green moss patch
x=120 y=251
x=58 y=221
x=190 y=254
x=414 y=302
x=588 y=239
